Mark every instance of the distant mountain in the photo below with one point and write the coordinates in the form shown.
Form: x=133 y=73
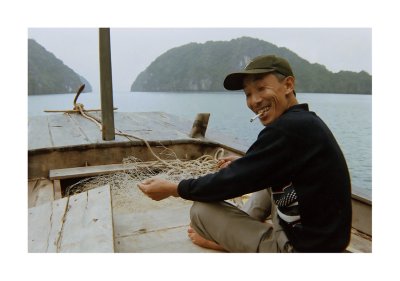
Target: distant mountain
x=49 y=75
x=203 y=67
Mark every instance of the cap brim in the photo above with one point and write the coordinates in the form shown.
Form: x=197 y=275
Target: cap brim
x=234 y=81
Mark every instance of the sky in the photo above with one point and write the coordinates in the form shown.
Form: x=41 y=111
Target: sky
x=133 y=49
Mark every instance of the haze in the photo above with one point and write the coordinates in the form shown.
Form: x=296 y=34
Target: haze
x=133 y=49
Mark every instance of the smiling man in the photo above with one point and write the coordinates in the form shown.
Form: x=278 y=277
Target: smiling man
x=295 y=170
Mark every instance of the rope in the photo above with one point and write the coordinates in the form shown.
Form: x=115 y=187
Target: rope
x=128 y=199
x=174 y=170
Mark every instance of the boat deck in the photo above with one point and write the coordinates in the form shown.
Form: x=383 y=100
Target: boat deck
x=69 y=141
x=55 y=131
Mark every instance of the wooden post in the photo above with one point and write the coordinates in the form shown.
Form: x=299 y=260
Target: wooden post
x=107 y=113
x=200 y=125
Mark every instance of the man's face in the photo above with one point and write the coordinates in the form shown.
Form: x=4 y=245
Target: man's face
x=269 y=96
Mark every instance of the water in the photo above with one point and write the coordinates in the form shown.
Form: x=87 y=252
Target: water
x=348 y=116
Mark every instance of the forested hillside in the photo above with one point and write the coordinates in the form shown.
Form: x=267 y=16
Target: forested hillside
x=49 y=75
x=203 y=67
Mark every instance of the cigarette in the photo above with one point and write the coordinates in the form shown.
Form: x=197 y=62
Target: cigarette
x=255 y=117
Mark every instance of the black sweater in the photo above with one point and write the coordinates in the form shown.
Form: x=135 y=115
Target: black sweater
x=299 y=148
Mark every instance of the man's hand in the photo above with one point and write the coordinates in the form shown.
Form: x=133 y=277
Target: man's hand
x=226 y=161
x=158 y=189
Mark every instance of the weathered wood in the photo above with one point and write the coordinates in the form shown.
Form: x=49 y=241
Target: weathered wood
x=91 y=129
x=106 y=89
x=31 y=187
x=152 y=126
x=73 y=110
x=359 y=243
x=183 y=125
x=362 y=215
x=132 y=125
x=39 y=133
x=200 y=125
x=79 y=172
x=57 y=189
x=161 y=230
x=169 y=240
x=80 y=223
x=72 y=130
x=40 y=192
x=44 y=225
x=64 y=131
x=41 y=162
x=134 y=223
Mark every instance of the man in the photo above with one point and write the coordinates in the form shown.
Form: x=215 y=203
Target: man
x=295 y=170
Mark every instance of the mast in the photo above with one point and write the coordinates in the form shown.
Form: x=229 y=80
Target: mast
x=106 y=90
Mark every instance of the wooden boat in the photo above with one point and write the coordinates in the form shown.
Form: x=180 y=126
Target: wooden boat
x=66 y=147
x=63 y=148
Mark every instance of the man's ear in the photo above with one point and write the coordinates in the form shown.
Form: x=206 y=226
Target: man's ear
x=289 y=83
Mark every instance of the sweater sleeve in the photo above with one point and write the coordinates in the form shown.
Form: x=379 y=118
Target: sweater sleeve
x=266 y=163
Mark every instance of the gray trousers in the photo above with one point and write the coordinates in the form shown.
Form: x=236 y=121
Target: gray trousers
x=241 y=231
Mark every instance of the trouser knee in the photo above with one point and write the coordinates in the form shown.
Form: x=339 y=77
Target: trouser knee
x=197 y=211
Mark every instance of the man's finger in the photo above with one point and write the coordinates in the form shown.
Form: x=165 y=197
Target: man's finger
x=226 y=164
x=147 y=181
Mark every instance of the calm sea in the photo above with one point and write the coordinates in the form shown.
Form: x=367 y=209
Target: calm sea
x=348 y=116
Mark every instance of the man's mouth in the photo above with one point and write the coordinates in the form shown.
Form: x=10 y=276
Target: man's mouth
x=261 y=113
x=264 y=110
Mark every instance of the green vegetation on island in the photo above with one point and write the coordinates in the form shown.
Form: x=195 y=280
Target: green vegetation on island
x=49 y=75
x=203 y=67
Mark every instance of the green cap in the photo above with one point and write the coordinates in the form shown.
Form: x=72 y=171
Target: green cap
x=261 y=64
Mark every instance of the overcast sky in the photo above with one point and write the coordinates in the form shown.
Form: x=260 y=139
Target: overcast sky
x=133 y=49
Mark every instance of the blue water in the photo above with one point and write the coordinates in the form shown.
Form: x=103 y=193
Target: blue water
x=348 y=116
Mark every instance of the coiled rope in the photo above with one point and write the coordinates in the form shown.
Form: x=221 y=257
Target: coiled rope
x=171 y=169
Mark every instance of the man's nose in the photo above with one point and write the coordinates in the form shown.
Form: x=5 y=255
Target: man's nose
x=256 y=100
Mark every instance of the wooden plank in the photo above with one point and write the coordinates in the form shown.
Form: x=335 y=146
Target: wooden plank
x=57 y=189
x=73 y=110
x=129 y=123
x=44 y=225
x=64 y=131
x=184 y=126
x=170 y=240
x=38 y=133
x=155 y=127
x=80 y=223
x=154 y=231
x=31 y=187
x=79 y=172
x=133 y=124
x=126 y=224
x=178 y=123
x=362 y=216
x=40 y=192
x=88 y=226
x=91 y=129
x=359 y=243
x=70 y=129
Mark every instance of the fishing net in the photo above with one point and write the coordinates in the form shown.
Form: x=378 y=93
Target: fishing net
x=127 y=197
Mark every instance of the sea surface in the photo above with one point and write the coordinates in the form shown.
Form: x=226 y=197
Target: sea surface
x=348 y=116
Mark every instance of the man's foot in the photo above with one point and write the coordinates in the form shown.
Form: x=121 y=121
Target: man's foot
x=202 y=242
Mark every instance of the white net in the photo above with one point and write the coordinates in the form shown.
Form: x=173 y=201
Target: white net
x=127 y=197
